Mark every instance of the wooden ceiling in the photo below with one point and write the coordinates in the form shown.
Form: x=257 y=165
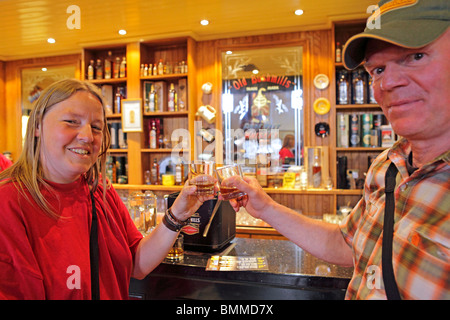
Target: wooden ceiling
x=27 y=24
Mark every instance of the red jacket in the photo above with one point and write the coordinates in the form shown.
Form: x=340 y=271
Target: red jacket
x=46 y=258
x=4 y=162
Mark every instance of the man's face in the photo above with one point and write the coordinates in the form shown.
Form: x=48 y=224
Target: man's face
x=412 y=86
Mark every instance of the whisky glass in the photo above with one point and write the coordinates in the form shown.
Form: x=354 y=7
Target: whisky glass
x=227 y=190
x=201 y=174
x=176 y=253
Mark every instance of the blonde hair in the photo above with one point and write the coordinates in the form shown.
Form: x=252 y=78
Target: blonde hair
x=27 y=172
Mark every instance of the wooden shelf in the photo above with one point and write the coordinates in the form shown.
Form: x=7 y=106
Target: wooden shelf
x=108 y=81
x=162 y=150
x=267 y=190
x=357 y=106
x=361 y=149
x=167 y=114
x=166 y=76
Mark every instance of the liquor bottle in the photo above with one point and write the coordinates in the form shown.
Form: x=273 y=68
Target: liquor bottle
x=116 y=69
x=145 y=70
x=123 y=68
x=152 y=99
x=155 y=172
x=338 y=52
x=343 y=87
x=371 y=92
x=118 y=101
x=171 y=101
x=147 y=177
x=316 y=170
x=160 y=67
x=108 y=65
x=142 y=70
x=355 y=130
x=262 y=169
x=359 y=87
x=155 y=70
x=91 y=70
x=99 y=70
x=179 y=174
x=153 y=136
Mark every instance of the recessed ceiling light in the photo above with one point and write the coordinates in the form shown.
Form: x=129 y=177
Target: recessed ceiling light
x=51 y=40
x=204 y=22
x=298 y=12
x=229 y=52
x=122 y=32
x=44 y=69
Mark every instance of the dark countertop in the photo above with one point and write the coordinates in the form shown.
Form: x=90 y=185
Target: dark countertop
x=293 y=274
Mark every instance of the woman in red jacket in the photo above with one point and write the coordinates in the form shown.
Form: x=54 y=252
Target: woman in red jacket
x=50 y=196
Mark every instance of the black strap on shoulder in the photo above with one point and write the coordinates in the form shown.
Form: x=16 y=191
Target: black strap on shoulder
x=93 y=253
x=390 y=284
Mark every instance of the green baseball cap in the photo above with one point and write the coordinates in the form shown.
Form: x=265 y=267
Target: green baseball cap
x=406 y=23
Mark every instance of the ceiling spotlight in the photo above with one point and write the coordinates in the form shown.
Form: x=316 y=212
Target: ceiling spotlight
x=51 y=40
x=229 y=52
x=122 y=32
x=298 y=12
x=204 y=22
x=44 y=69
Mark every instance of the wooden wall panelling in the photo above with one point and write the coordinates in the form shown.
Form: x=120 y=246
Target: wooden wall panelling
x=12 y=93
x=133 y=92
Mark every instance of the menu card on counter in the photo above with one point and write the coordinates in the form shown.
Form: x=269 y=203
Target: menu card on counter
x=230 y=263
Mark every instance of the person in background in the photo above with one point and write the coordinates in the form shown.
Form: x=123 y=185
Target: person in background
x=288 y=145
x=4 y=162
x=50 y=195
x=408 y=59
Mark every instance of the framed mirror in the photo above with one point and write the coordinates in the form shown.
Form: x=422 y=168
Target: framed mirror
x=262 y=105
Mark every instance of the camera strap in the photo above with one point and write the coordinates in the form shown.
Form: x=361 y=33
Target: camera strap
x=390 y=284
x=93 y=253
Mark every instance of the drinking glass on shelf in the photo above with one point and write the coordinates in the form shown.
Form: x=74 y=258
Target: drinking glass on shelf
x=227 y=190
x=201 y=175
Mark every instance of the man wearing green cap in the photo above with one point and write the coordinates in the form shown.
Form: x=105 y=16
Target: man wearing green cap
x=398 y=235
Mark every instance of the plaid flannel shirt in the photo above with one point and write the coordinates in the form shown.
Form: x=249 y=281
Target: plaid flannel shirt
x=421 y=244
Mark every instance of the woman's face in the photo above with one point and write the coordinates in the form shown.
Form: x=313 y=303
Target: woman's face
x=71 y=137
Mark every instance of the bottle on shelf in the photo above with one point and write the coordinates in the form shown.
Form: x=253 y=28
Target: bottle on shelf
x=155 y=173
x=316 y=170
x=108 y=65
x=123 y=68
x=142 y=70
x=171 y=103
x=371 y=92
x=152 y=99
x=155 y=70
x=160 y=67
x=338 y=52
x=99 y=70
x=118 y=101
x=262 y=168
x=116 y=69
x=359 y=87
x=153 y=135
x=343 y=87
x=147 y=177
x=91 y=70
x=179 y=174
